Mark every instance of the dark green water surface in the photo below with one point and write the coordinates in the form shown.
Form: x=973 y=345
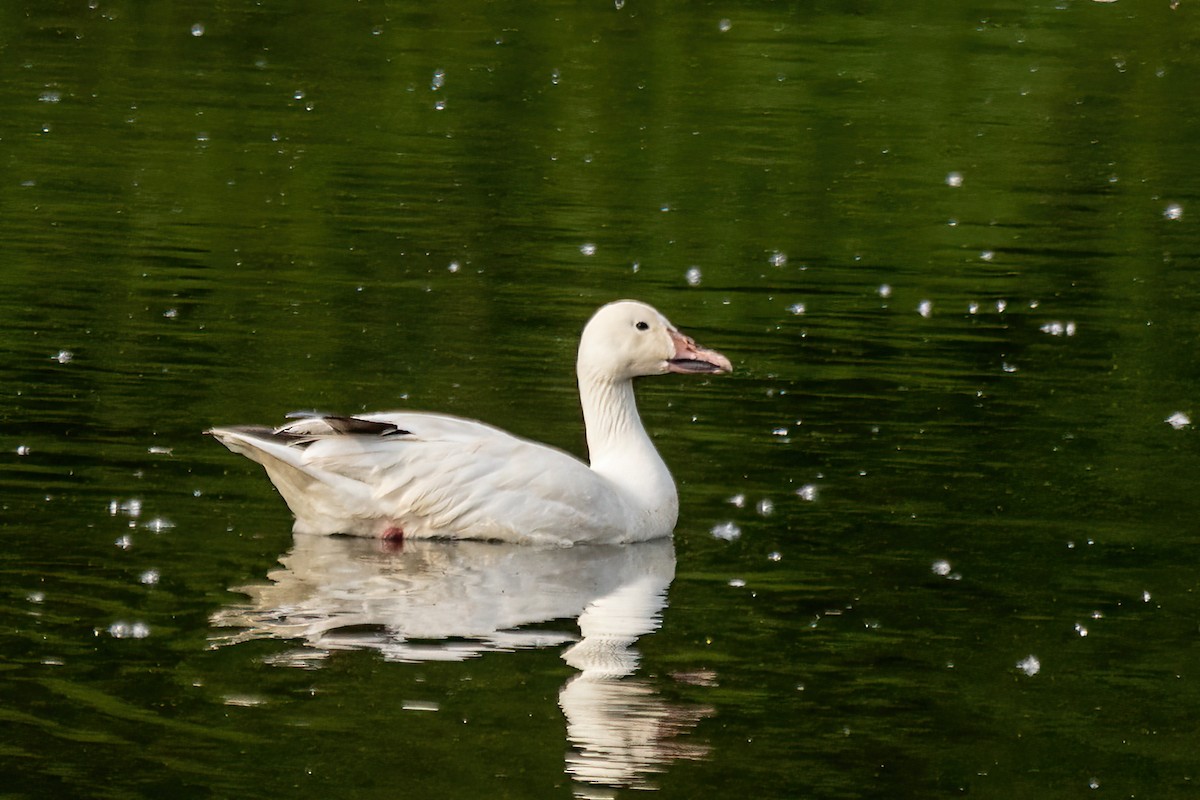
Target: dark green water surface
x=938 y=531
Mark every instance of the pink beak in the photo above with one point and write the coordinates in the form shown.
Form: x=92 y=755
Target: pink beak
x=690 y=358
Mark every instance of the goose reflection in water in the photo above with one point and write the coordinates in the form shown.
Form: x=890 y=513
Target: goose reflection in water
x=450 y=601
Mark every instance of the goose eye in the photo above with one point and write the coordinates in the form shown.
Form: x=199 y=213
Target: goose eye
x=642 y=326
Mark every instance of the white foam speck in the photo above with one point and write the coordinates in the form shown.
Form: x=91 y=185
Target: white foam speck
x=925 y=308
x=807 y=492
x=1030 y=665
x=693 y=276
x=954 y=179
x=727 y=531
x=129 y=630
x=588 y=248
x=1179 y=420
x=941 y=567
x=1173 y=211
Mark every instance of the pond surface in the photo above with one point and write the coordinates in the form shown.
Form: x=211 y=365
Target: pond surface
x=938 y=530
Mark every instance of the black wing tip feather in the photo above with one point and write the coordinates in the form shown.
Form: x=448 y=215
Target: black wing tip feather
x=363 y=427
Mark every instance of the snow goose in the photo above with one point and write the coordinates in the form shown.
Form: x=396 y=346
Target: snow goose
x=422 y=475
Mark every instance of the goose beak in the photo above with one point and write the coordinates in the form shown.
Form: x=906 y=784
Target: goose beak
x=692 y=359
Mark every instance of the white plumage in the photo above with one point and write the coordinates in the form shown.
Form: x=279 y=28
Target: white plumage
x=423 y=475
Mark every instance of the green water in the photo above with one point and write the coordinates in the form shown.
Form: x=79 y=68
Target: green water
x=937 y=536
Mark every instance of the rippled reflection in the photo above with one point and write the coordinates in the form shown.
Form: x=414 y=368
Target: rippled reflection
x=449 y=601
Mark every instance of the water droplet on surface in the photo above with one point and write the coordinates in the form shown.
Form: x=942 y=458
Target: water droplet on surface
x=727 y=531
x=1007 y=367
x=453 y=266
x=198 y=29
x=972 y=307
x=439 y=105
x=1056 y=328
x=1178 y=420
x=588 y=248
x=1145 y=597
x=129 y=630
x=954 y=179
x=778 y=258
x=1082 y=631
x=987 y=255
x=23 y=450
x=1001 y=305
x=737 y=583
x=941 y=567
x=693 y=276
x=149 y=577
x=797 y=309
x=63 y=356
x=724 y=25
x=1173 y=211
x=925 y=308
x=774 y=555
x=885 y=291
x=554 y=77
x=1030 y=665
x=438 y=80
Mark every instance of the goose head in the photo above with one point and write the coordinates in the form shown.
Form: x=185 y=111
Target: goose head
x=628 y=339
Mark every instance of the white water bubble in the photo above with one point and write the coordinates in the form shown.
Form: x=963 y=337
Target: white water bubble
x=774 y=555
x=778 y=258
x=129 y=630
x=737 y=583
x=124 y=542
x=588 y=248
x=1001 y=305
x=693 y=276
x=972 y=308
x=1079 y=629
x=727 y=531
x=738 y=500
x=954 y=179
x=765 y=507
x=198 y=29
x=1145 y=597
x=50 y=96
x=1030 y=665
x=453 y=266
x=149 y=577
x=724 y=25
x=987 y=255
x=797 y=309
x=438 y=80
x=884 y=290
x=807 y=492
x=158 y=525
x=63 y=356
x=1056 y=328
x=1173 y=211
x=23 y=450
x=925 y=308
x=941 y=567
x=1178 y=420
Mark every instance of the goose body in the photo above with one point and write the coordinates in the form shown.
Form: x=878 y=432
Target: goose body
x=425 y=475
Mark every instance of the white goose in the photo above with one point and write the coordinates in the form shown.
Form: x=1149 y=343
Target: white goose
x=420 y=475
